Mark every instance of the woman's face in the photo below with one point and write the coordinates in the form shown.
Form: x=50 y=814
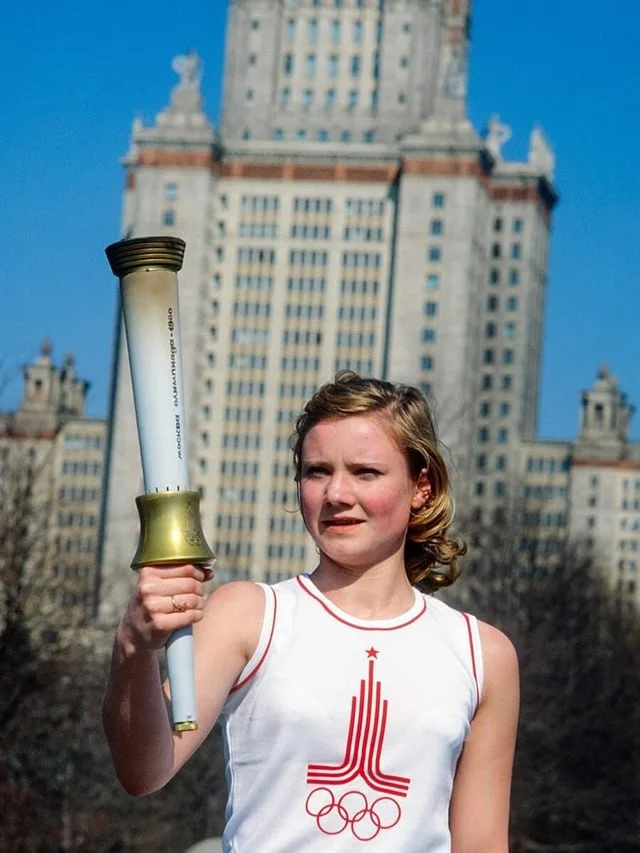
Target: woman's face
x=356 y=491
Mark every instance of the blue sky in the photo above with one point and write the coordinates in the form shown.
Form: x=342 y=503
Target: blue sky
x=75 y=74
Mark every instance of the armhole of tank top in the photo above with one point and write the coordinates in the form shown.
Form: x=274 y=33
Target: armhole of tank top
x=264 y=641
x=475 y=655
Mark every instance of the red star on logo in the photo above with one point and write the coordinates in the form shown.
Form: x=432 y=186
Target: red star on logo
x=372 y=653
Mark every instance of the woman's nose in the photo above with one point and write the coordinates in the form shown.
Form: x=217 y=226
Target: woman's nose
x=339 y=490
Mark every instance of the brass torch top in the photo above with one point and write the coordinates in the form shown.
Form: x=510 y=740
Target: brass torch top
x=125 y=256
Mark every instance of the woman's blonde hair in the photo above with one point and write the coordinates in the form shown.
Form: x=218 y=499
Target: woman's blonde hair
x=430 y=553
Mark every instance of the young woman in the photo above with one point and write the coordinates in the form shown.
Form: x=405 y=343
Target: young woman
x=359 y=712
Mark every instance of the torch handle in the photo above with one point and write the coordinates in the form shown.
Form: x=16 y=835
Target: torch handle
x=170 y=527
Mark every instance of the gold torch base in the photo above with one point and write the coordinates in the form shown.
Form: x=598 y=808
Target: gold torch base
x=171 y=530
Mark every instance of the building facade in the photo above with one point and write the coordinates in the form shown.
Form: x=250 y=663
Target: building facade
x=51 y=473
x=346 y=215
x=587 y=492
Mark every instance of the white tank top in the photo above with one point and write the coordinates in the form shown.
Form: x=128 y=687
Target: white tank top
x=343 y=734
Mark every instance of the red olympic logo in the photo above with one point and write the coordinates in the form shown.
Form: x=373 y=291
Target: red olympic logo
x=352 y=809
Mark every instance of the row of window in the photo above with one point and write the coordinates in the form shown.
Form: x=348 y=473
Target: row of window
x=73 y=441
x=545 y=493
x=241 y=442
x=82 y=468
x=286 y=524
x=311 y=62
x=517 y=225
x=322 y=135
x=244 y=361
x=354 y=285
x=513 y=276
x=243 y=416
x=78 y=493
x=76 y=519
x=540 y=464
x=239 y=468
x=258 y=229
x=335 y=29
x=515 y=252
x=356 y=339
x=235 y=522
x=289 y=551
x=484 y=410
x=242 y=494
x=307 y=285
x=260 y=203
x=501 y=435
x=482 y=462
x=254 y=282
x=76 y=546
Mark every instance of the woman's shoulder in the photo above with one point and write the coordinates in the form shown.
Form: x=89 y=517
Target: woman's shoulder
x=497 y=649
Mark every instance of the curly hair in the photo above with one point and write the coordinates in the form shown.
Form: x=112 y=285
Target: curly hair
x=430 y=552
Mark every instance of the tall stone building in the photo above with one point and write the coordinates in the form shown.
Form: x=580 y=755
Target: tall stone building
x=51 y=470
x=587 y=491
x=347 y=214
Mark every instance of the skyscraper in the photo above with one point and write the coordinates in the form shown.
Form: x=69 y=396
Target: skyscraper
x=346 y=215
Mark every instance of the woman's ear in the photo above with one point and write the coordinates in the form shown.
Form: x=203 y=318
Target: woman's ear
x=422 y=491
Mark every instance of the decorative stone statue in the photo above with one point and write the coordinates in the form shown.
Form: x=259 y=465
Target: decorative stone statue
x=188 y=67
x=541 y=155
x=497 y=135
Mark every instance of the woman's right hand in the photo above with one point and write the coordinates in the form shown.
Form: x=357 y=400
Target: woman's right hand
x=164 y=599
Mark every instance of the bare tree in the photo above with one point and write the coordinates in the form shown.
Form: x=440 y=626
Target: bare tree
x=577 y=772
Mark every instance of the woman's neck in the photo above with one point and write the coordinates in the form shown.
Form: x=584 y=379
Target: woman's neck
x=380 y=592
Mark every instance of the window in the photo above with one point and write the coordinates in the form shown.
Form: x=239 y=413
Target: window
x=496 y=250
x=252 y=59
x=248 y=95
x=330 y=97
x=333 y=65
x=507 y=382
x=406 y=27
x=503 y=436
x=514 y=277
x=278 y=134
x=504 y=410
x=437 y=200
x=291 y=30
x=510 y=330
x=494 y=276
x=345 y=136
x=335 y=32
x=255 y=24
x=301 y=135
x=404 y=62
x=507 y=356
x=355 y=66
x=312 y=31
x=246 y=134
x=492 y=303
x=323 y=136
x=481 y=462
x=434 y=254
x=285 y=98
x=516 y=251
x=426 y=362
x=512 y=303
x=373 y=103
x=368 y=136
x=479 y=488
x=488 y=356
x=307 y=97
x=483 y=435
x=490 y=330
x=171 y=191
x=497 y=224
x=430 y=309
x=429 y=335
x=432 y=281
x=352 y=99
x=357 y=32
x=287 y=64
x=517 y=226
x=437 y=226
x=485 y=409
x=169 y=217
x=310 y=65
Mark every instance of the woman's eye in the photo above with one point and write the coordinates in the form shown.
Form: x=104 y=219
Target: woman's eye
x=368 y=473
x=314 y=471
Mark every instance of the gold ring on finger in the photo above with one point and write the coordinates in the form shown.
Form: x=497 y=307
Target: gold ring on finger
x=178 y=606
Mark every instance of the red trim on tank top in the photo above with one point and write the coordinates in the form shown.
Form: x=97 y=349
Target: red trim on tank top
x=473 y=658
x=264 y=654
x=377 y=627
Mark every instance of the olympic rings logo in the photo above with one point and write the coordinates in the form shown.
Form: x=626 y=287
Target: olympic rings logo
x=353 y=810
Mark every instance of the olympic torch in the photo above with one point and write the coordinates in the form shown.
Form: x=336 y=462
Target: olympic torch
x=170 y=526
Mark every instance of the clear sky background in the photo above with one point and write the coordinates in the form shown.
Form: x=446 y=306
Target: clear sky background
x=75 y=73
